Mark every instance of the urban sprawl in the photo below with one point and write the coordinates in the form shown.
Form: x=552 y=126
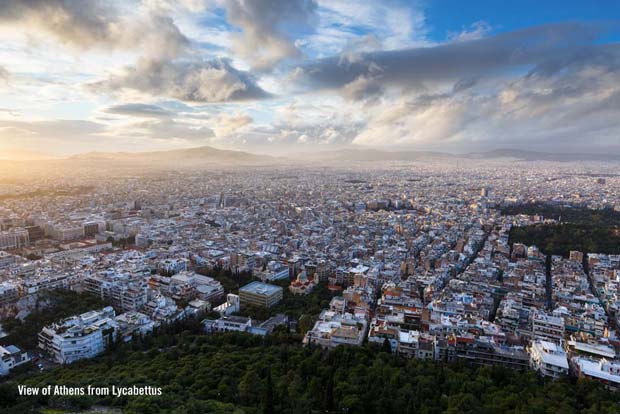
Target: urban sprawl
x=417 y=258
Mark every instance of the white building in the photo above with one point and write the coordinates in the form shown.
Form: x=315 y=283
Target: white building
x=125 y=292
x=173 y=266
x=608 y=372
x=78 y=337
x=548 y=358
x=134 y=323
x=11 y=356
x=230 y=306
x=228 y=323
x=67 y=231
x=14 y=239
x=7 y=259
x=205 y=287
x=333 y=329
x=51 y=282
x=9 y=292
x=547 y=327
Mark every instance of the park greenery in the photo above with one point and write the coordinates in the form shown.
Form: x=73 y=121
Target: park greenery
x=578 y=228
x=241 y=373
x=605 y=217
x=560 y=239
x=50 y=306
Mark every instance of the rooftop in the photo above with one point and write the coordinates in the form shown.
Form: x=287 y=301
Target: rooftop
x=260 y=288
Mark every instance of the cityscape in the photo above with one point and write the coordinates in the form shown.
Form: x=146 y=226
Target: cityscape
x=308 y=207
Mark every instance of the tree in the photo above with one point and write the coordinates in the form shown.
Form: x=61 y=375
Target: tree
x=250 y=387
x=386 y=346
x=268 y=396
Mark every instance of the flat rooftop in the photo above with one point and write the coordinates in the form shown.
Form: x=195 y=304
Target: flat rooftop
x=260 y=288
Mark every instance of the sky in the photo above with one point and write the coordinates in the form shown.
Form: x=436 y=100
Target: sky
x=279 y=76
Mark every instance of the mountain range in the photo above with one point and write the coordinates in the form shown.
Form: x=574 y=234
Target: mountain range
x=215 y=156
x=189 y=155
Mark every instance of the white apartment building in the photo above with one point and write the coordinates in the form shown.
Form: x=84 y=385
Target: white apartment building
x=548 y=358
x=123 y=291
x=603 y=370
x=67 y=232
x=173 y=266
x=11 y=356
x=134 y=323
x=14 y=239
x=62 y=281
x=547 y=327
x=9 y=292
x=333 y=329
x=78 y=337
x=205 y=287
x=7 y=259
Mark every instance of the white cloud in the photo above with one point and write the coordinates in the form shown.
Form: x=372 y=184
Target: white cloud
x=191 y=81
x=265 y=40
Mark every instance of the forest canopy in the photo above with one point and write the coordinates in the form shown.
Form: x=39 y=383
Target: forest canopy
x=240 y=373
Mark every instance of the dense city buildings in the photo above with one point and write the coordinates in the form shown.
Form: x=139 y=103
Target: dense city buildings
x=415 y=258
x=309 y=206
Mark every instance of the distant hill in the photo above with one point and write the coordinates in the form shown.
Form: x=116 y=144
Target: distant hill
x=208 y=156
x=541 y=156
x=199 y=155
x=355 y=154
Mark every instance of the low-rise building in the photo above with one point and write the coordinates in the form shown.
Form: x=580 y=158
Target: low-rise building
x=228 y=323
x=333 y=329
x=548 y=358
x=11 y=356
x=230 y=306
x=134 y=323
x=260 y=294
x=603 y=370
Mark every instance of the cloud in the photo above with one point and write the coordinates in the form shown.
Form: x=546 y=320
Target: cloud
x=316 y=134
x=426 y=67
x=166 y=129
x=4 y=75
x=565 y=103
x=365 y=86
x=95 y=24
x=190 y=81
x=72 y=136
x=139 y=110
x=49 y=134
x=225 y=125
x=341 y=23
x=194 y=6
x=265 y=25
x=476 y=31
